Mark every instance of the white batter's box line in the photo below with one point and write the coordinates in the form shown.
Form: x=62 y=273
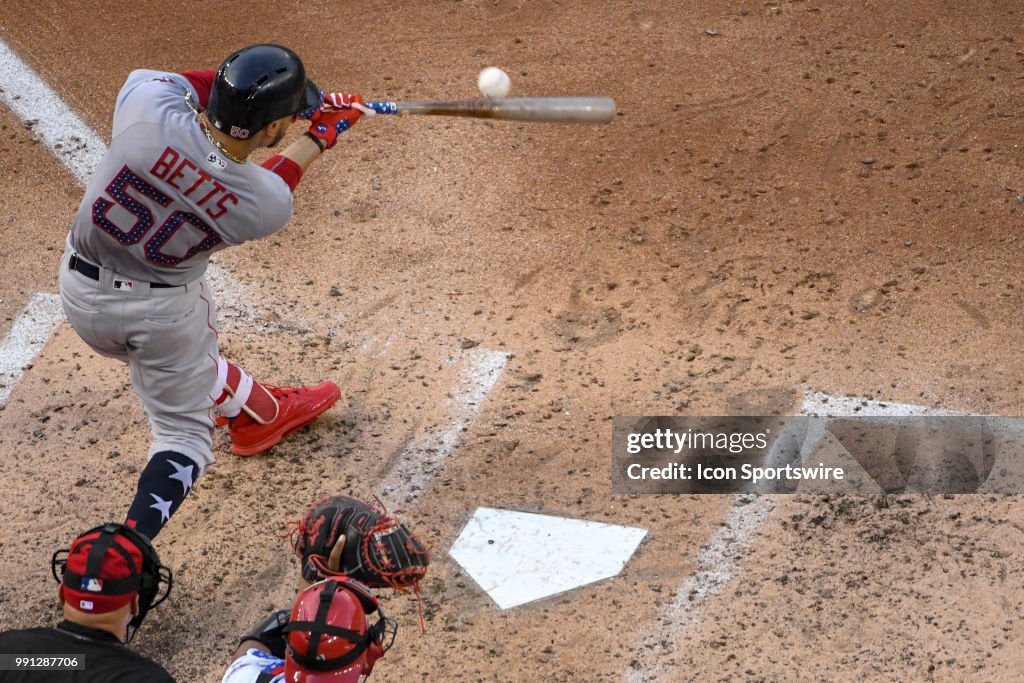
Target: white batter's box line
x=715 y=567
x=821 y=404
x=426 y=455
x=721 y=557
x=70 y=139
x=29 y=333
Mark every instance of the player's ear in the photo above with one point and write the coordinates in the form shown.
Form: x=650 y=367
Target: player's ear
x=275 y=127
x=135 y=604
x=267 y=134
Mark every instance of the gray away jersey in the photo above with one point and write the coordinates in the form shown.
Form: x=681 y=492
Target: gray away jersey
x=163 y=199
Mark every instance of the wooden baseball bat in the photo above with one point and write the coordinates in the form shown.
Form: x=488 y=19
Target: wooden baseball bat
x=549 y=109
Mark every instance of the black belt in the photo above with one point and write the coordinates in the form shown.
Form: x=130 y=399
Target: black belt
x=92 y=271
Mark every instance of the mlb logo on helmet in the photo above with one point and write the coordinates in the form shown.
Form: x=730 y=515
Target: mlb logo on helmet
x=93 y=585
x=240 y=133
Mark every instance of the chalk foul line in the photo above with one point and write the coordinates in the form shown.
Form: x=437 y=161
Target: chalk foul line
x=29 y=333
x=715 y=567
x=79 y=148
x=720 y=559
x=426 y=455
x=70 y=139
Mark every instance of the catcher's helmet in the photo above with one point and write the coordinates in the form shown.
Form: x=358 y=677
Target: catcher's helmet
x=257 y=85
x=328 y=637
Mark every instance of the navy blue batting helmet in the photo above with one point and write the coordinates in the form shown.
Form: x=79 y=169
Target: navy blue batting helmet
x=257 y=85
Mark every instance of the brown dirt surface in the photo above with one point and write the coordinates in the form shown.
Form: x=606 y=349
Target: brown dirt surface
x=795 y=196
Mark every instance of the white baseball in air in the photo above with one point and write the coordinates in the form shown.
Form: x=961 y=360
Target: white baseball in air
x=493 y=82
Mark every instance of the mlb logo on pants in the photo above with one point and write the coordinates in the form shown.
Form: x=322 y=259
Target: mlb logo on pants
x=126 y=285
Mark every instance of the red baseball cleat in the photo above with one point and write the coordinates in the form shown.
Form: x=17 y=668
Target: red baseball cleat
x=298 y=406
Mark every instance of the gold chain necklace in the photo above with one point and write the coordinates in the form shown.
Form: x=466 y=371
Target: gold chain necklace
x=206 y=131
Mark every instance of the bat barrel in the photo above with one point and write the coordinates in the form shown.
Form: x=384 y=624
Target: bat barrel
x=548 y=109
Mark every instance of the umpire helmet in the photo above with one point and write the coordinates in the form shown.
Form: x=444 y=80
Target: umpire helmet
x=257 y=85
x=108 y=565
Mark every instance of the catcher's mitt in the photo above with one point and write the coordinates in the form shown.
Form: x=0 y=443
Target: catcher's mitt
x=379 y=550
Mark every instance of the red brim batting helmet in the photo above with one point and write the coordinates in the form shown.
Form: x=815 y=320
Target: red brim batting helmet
x=257 y=85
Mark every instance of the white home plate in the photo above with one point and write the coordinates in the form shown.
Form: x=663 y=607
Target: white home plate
x=518 y=557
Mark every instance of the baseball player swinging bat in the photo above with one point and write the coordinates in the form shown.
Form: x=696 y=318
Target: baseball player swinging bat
x=549 y=109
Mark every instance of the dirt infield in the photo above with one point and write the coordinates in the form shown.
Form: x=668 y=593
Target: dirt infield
x=795 y=196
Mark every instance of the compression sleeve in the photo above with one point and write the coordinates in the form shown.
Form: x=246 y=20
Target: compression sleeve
x=289 y=171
